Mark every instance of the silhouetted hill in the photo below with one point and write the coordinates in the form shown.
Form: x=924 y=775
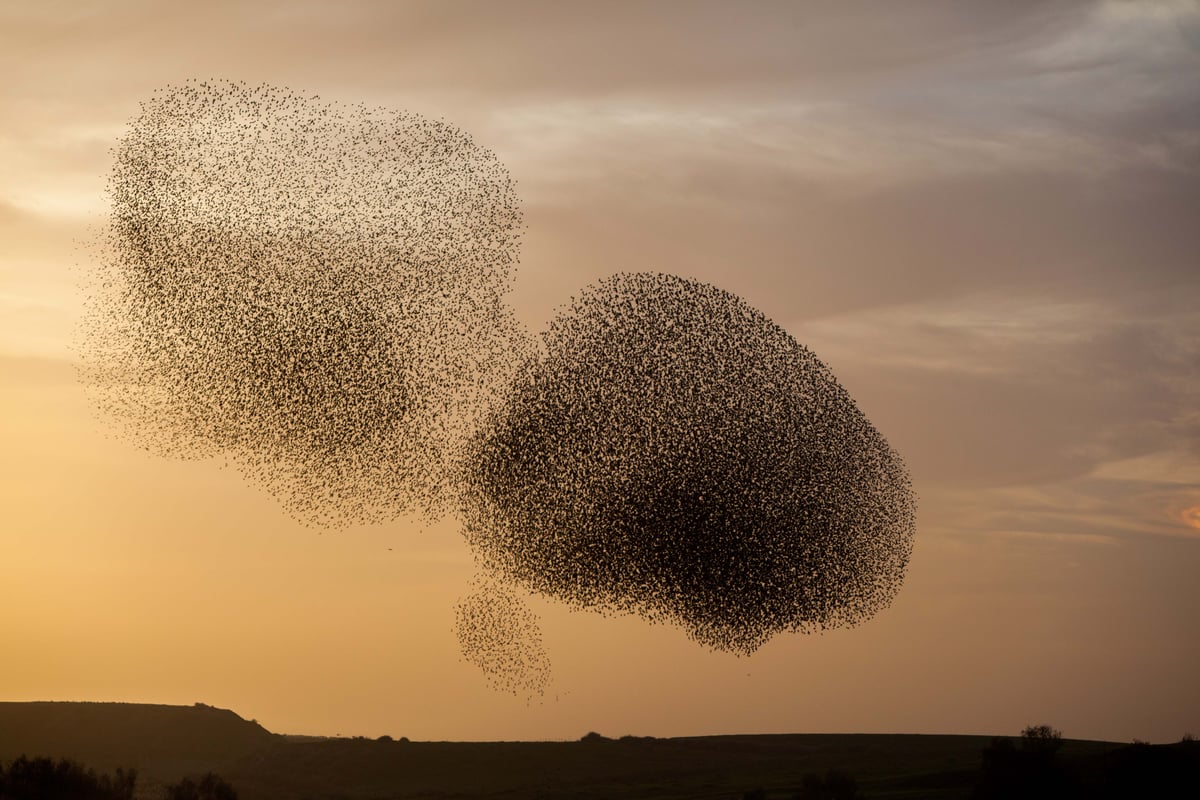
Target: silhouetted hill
x=162 y=742
x=166 y=743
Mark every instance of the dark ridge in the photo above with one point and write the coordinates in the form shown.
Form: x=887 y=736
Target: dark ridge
x=166 y=743
x=162 y=742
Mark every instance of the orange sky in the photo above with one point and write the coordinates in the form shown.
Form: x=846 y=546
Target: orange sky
x=980 y=215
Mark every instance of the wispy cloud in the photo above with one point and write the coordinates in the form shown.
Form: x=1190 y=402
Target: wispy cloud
x=1088 y=510
x=1035 y=416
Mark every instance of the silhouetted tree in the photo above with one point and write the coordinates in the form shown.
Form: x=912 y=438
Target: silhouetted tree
x=208 y=787
x=1041 y=739
x=47 y=779
x=1031 y=771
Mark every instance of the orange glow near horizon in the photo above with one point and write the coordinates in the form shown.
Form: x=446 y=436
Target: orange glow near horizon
x=1191 y=516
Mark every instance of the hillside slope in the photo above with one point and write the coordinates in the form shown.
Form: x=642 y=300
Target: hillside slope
x=166 y=743
x=162 y=742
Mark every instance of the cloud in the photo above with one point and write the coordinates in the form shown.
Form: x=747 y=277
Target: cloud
x=570 y=94
x=573 y=144
x=1085 y=89
x=1030 y=415
x=1090 y=509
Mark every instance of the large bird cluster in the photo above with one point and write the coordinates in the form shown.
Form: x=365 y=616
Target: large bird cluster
x=317 y=292
x=313 y=289
x=677 y=455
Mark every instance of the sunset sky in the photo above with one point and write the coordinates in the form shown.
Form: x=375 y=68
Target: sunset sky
x=983 y=216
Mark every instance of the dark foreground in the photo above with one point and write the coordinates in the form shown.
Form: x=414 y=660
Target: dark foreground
x=166 y=743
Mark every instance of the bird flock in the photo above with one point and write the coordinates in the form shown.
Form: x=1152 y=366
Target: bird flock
x=317 y=292
x=314 y=290
x=677 y=455
x=499 y=634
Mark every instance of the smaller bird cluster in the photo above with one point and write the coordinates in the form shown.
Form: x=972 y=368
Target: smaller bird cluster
x=500 y=635
x=677 y=455
x=313 y=289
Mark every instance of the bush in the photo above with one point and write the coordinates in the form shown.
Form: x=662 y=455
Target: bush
x=1147 y=770
x=1041 y=739
x=46 y=779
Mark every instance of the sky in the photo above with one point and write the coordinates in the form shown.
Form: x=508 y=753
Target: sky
x=982 y=216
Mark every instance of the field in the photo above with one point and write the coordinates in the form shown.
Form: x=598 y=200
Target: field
x=166 y=743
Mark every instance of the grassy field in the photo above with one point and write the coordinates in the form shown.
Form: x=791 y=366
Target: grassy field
x=895 y=766
x=166 y=743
